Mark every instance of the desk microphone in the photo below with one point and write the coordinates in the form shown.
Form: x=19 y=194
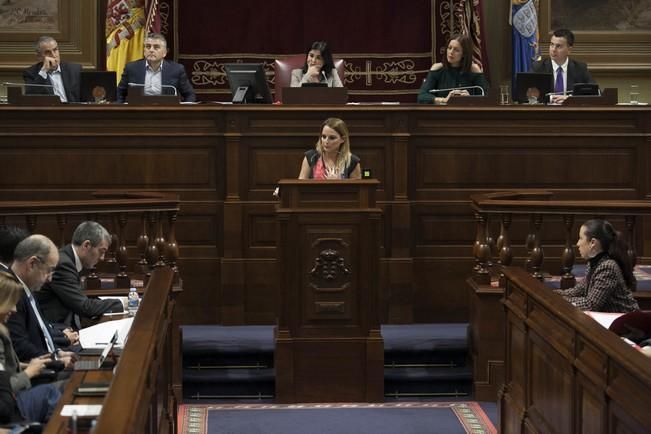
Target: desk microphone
x=569 y=92
x=23 y=85
x=459 y=88
x=325 y=78
x=163 y=86
x=167 y=86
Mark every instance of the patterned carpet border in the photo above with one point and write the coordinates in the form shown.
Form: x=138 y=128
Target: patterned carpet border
x=193 y=418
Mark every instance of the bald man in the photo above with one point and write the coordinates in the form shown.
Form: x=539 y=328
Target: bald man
x=35 y=259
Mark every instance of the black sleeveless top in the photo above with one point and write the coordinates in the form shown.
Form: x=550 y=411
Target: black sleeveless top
x=313 y=156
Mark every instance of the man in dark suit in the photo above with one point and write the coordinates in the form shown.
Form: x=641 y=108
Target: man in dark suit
x=567 y=72
x=63 y=297
x=34 y=261
x=64 y=78
x=156 y=75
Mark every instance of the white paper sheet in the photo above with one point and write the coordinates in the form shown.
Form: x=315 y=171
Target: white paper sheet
x=82 y=410
x=99 y=335
x=605 y=319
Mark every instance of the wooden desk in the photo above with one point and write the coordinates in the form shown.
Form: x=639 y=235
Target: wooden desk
x=59 y=424
x=224 y=162
x=146 y=386
x=565 y=373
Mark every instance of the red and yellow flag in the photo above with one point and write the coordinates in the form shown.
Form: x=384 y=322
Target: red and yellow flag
x=127 y=23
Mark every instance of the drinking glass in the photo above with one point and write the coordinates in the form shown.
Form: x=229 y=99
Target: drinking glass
x=635 y=94
x=504 y=94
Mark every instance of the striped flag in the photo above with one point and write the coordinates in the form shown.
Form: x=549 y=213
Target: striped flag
x=127 y=24
x=464 y=17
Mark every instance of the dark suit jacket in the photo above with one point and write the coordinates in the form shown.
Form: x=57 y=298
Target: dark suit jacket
x=64 y=296
x=577 y=72
x=173 y=75
x=70 y=74
x=26 y=334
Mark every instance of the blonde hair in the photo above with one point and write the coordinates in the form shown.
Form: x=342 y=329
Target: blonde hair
x=344 y=155
x=10 y=292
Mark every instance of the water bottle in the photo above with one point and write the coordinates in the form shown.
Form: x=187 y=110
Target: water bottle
x=133 y=301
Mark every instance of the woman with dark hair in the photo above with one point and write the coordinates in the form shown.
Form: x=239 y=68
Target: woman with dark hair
x=331 y=157
x=609 y=275
x=457 y=70
x=318 y=68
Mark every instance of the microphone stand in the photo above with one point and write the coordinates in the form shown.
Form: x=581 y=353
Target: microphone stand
x=17 y=96
x=481 y=89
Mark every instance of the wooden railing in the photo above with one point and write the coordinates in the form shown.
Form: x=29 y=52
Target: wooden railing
x=538 y=205
x=141 y=398
x=533 y=213
x=152 y=216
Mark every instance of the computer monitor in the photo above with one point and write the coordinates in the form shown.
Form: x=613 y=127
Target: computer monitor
x=98 y=86
x=248 y=83
x=533 y=85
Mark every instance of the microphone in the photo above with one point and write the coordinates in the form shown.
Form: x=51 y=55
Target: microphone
x=325 y=78
x=167 y=86
x=9 y=83
x=569 y=92
x=29 y=89
x=459 y=88
x=163 y=86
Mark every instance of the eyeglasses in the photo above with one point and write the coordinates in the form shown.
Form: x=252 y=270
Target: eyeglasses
x=50 y=269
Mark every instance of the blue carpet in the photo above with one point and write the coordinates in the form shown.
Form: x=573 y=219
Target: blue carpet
x=354 y=418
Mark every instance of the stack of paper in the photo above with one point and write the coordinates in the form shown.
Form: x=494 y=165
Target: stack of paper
x=99 y=335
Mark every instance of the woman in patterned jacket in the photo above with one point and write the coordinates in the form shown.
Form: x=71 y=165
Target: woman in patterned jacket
x=609 y=274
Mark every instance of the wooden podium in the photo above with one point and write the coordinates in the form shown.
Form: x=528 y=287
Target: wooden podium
x=328 y=342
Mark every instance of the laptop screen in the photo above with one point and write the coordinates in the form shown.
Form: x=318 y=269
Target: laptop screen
x=98 y=86
x=533 y=85
x=107 y=349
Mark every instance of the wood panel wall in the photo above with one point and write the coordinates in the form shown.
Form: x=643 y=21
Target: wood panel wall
x=224 y=162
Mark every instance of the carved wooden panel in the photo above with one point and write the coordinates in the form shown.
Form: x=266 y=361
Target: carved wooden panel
x=550 y=392
x=330 y=276
x=592 y=362
x=590 y=407
x=516 y=345
x=557 y=333
x=502 y=166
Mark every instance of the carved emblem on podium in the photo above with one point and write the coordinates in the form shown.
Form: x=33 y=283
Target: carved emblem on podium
x=329 y=266
x=330 y=271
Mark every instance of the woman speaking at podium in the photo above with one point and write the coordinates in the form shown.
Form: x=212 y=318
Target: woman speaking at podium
x=456 y=72
x=318 y=68
x=331 y=158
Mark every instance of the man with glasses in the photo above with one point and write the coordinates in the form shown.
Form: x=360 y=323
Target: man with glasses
x=50 y=76
x=62 y=299
x=34 y=261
